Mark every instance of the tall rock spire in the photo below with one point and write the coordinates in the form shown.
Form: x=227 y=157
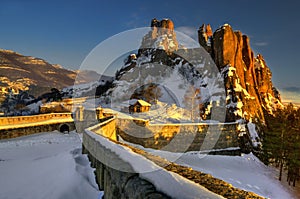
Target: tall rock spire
x=161 y=36
x=247 y=79
x=205 y=34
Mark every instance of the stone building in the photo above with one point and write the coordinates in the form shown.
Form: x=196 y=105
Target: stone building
x=137 y=106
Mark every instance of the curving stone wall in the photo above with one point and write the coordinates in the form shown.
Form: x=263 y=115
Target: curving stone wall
x=124 y=173
x=118 y=172
x=116 y=183
x=106 y=128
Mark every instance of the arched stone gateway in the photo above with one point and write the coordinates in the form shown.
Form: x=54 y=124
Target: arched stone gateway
x=64 y=128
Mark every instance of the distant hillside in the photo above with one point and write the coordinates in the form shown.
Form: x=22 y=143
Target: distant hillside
x=37 y=76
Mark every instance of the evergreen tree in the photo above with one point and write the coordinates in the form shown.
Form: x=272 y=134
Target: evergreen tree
x=281 y=142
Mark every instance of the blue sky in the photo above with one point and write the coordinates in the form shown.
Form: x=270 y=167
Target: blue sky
x=65 y=31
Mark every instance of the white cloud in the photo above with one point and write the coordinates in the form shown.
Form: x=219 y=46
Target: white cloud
x=261 y=44
x=290 y=96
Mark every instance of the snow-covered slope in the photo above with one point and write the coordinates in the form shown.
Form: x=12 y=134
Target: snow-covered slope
x=46 y=165
x=81 y=90
x=187 y=79
x=159 y=113
x=87 y=89
x=246 y=172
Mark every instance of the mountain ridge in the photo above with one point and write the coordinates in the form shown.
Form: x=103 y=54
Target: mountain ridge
x=35 y=75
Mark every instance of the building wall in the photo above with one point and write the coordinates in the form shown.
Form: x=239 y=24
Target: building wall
x=54 y=109
x=138 y=108
x=179 y=137
x=12 y=127
x=84 y=119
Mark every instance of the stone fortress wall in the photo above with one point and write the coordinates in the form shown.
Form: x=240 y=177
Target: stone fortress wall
x=117 y=177
x=12 y=127
x=115 y=183
x=180 y=137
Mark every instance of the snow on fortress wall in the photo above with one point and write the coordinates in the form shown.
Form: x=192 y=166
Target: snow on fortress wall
x=122 y=173
x=114 y=182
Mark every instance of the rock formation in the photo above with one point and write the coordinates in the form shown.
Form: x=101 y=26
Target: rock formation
x=247 y=78
x=177 y=73
x=161 y=36
x=205 y=37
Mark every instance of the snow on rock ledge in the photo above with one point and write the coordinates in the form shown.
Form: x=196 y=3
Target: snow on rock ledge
x=254 y=135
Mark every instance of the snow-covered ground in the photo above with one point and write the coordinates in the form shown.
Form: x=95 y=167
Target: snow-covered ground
x=51 y=166
x=246 y=172
x=46 y=165
x=159 y=113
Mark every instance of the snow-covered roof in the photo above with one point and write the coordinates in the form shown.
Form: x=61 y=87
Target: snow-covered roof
x=132 y=101
x=141 y=102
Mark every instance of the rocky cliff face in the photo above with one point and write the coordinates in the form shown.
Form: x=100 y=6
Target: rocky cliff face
x=162 y=36
x=163 y=71
x=157 y=46
x=247 y=78
x=205 y=37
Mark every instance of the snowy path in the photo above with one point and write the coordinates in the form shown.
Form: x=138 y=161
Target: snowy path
x=246 y=172
x=46 y=165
